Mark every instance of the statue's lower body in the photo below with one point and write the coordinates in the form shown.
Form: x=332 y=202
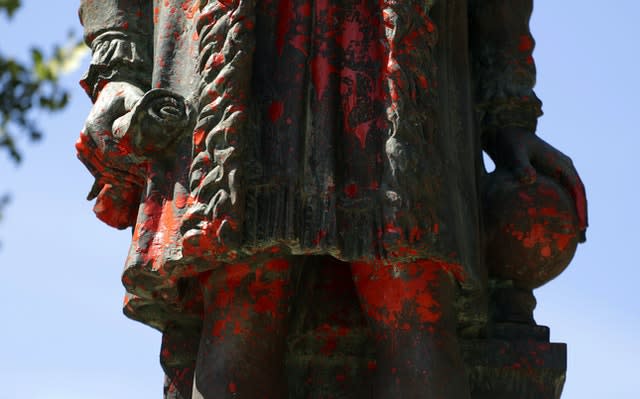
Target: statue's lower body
x=252 y=312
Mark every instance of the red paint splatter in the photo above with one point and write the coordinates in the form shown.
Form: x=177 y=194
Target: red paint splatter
x=267 y=293
x=190 y=8
x=218 y=327
x=351 y=190
x=285 y=15
x=525 y=44
x=277 y=265
x=387 y=290
x=305 y=9
x=321 y=68
x=198 y=137
x=301 y=43
x=276 y=109
x=218 y=60
x=319 y=237
x=180 y=199
x=331 y=343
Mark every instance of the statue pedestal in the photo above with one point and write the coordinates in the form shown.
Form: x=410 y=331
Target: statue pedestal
x=516 y=368
x=339 y=364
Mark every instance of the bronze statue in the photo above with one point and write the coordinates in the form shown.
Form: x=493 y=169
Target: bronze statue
x=311 y=214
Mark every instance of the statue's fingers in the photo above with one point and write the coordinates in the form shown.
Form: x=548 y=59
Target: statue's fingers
x=580 y=198
x=109 y=172
x=110 y=105
x=87 y=151
x=132 y=175
x=525 y=174
x=575 y=186
x=561 y=167
x=95 y=189
x=131 y=98
x=521 y=167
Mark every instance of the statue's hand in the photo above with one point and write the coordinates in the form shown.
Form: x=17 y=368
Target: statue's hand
x=106 y=155
x=156 y=121
x=119 y=173
x=524 y=154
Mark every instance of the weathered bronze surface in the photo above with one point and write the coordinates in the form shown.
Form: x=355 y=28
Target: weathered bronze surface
x=310 y=210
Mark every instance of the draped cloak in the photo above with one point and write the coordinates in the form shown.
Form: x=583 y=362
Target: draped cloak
x=350 y=128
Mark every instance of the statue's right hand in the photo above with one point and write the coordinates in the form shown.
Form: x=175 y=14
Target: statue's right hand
x=102 y=152
x=119 y=173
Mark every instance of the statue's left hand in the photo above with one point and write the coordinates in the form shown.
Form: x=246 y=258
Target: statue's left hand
x=525 y=155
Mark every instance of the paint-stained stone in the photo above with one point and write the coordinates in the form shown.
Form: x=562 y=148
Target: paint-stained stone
x=305 y=186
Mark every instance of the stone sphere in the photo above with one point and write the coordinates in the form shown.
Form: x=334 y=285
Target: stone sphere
x=531 y=229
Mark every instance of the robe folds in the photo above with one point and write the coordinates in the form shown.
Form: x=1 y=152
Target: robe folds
x=350 y=128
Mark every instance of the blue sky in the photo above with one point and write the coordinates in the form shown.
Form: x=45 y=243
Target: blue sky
x=62 y=333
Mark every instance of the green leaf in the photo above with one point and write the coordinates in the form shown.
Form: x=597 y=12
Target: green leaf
x=65 y=60
x=4 y=201
x=10 y=6
x=68 y=58
x=26 y=88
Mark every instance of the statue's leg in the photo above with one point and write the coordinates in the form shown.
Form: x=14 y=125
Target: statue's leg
x=410 y=309
x=178 y=383
x=242 y=347
x=178 y=359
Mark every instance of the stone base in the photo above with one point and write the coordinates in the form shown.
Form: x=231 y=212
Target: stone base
x=340 y=365
x=499 y=369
